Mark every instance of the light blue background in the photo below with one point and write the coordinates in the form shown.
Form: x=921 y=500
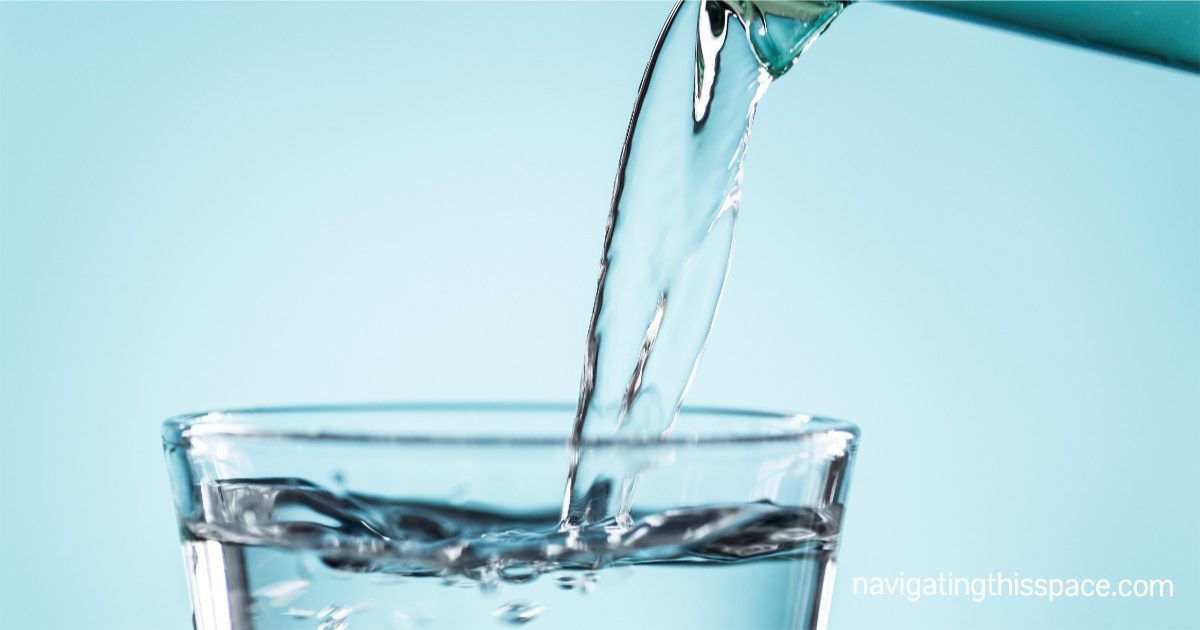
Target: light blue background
x=982 y=248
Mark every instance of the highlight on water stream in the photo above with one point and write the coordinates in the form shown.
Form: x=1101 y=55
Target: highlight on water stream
x=670 y=230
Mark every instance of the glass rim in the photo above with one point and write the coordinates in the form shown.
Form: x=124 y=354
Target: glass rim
x=763 y=426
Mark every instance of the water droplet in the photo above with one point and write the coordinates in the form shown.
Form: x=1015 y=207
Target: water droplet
x=518 y=612
x=299 y=613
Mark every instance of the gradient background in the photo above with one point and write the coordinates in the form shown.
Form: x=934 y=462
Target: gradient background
x=984 y=249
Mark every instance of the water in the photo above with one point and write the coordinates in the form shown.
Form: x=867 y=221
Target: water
x=285 y=553
x=670 y=229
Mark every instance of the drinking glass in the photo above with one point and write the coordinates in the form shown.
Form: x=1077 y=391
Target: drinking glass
x=449 y=516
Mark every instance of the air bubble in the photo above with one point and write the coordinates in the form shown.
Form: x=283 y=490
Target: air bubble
x=566 y=582
x=518 y=612
x=792 y=534
x=584 y=582
x=520 y=573
x=334 y=617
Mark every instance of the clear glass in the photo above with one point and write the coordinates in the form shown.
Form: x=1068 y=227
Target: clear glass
x=448 y=516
